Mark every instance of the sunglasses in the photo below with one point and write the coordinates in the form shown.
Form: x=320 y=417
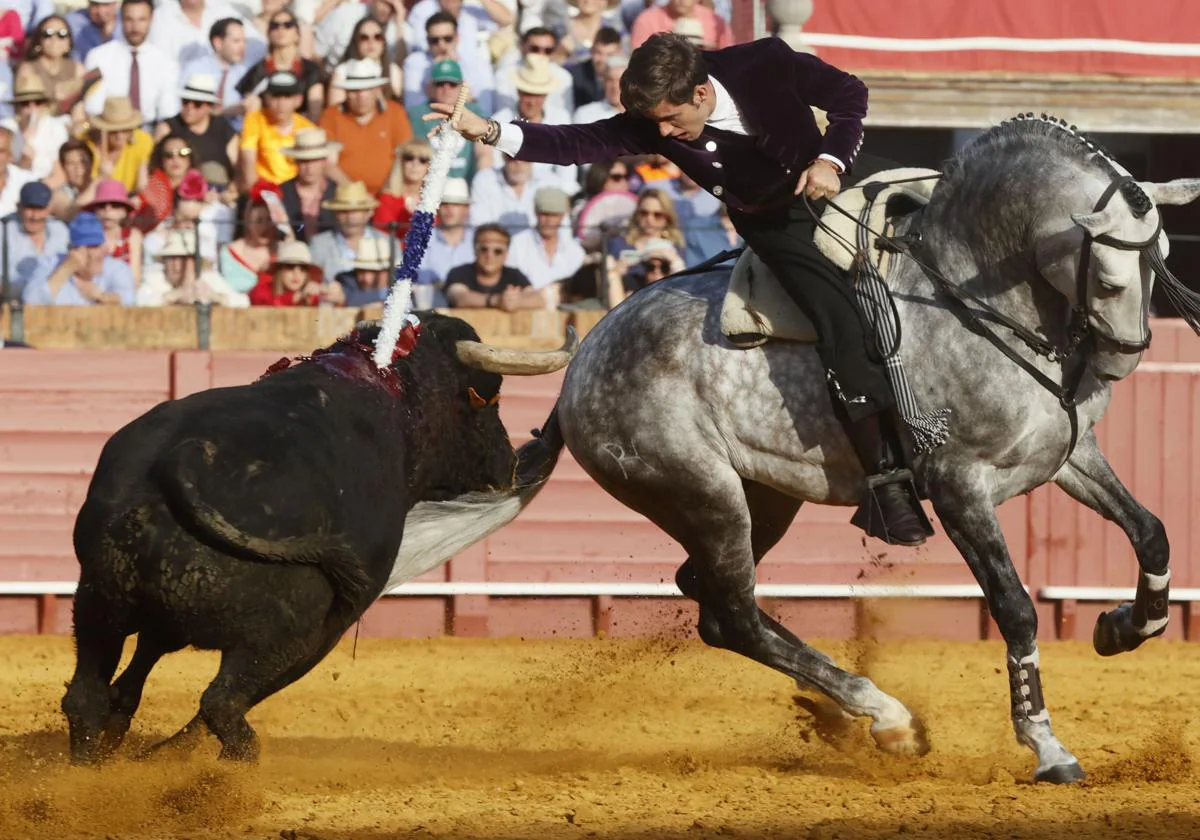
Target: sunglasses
x=439 y=39
x=652 y=214
x=110 y=205
x=447 y=84
x=56 y=33
x=535 y=50
x=364 y=37
x=183 y=153
x=618 y=176
x=29 y=103
x=409 y=158
x=281 y=24
x=494 y=250
x=661 y=266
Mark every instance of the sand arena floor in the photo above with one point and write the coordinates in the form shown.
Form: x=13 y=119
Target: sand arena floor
x=613 y=739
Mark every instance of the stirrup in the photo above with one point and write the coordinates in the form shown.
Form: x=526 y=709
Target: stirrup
x=869 y=516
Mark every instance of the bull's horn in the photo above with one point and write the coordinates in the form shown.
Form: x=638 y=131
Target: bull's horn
x=476 y=354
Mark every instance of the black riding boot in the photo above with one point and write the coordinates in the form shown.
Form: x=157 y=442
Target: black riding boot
x=890 y=509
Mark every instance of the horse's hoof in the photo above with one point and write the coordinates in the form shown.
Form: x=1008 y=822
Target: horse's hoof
x=903 y=740
x=1061 y=774
x=1106 y=636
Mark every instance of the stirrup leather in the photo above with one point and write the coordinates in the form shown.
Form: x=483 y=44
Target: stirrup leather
x=869 y=516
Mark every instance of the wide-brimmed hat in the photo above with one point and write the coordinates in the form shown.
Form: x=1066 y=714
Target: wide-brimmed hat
x=110 y=191
x=351 y=196
x=690 y=28
x=456 y=191
x=29 y=87
x=374 y=254
x=311 y=144
x=292 y=252
x=118 y=115
x=362 y=74
x=534 y=75
x=284 y=83
x=178 y=244
x=200 y=87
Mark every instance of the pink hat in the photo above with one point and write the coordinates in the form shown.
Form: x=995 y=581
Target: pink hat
x=110 y=192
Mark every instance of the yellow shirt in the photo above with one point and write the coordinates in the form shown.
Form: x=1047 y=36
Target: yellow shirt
x=135 y=155
x=269 y=141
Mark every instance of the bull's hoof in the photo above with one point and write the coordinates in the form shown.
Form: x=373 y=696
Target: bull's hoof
x=1061 y=774
x=1114 y=632
x=903 y=740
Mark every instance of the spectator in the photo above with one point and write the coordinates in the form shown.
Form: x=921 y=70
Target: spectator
x=488 y=282
x=656 y=259
x=369 y=127
x=547 y=253
x=209 y=136
x=77 y=161
x=371 y=277
x=662 y=19
x=267 y=133
x=83 y=276
x=181 y=28
x=243 y=260
x=697 y=210
x=12 y=177
x=609 y=206
x=170 y=163
x=293 y=280
x=535 y=80
x=173 y=280
x=283 y=56
x=610 y=105
x=505 y=196
x=334 y=33
x=48 y=57
x=227 y=62
x=442 y=37
x=538 y=44
x=36 y=134
x=119 y=147
x=92 y=26
x=134 y=69
x=445 y=81
x=258 y=31
x=111 y=205
x=193 y=211
x=477 y=19
x=29 y=237
x=402 y=193
x=368 y=41
x=450 y=245
x=592 y=22
x=305 y=195
x=654 y=218
x=587 y=77
x=333 y=251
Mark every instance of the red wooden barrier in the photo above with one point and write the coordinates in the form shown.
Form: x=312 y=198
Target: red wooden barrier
x=61 y=406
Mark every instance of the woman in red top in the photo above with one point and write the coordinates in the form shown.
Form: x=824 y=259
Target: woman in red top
x=400 y=195
x=293 y=280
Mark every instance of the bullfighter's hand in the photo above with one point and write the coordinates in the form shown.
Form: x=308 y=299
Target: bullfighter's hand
x=820 y=180
x=469 y=125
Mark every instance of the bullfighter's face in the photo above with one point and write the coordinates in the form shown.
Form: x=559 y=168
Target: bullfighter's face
x=684 y=121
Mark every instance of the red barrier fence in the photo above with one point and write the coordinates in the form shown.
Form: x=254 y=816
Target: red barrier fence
x=61 y=406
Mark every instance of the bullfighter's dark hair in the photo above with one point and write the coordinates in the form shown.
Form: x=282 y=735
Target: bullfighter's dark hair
x=491 y=227
x=667 y=68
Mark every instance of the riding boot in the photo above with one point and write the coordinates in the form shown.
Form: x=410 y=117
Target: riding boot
x=890 y=509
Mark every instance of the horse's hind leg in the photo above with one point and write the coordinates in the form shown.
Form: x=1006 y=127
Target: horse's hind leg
x=1088 y=478
x=969 y=518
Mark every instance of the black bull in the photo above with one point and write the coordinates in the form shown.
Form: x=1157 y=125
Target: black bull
x=262 y=520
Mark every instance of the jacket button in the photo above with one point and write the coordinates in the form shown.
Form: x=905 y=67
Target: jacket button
x=717 y=164
x=718 y=190
x=710 y=146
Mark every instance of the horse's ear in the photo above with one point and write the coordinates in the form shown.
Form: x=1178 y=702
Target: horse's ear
x=1096 y=223
x=1179 y=191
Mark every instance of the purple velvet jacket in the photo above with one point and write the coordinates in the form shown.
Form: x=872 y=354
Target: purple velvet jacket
x=773 y=87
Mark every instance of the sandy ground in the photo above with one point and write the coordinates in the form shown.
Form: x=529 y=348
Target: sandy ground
x=613 y=739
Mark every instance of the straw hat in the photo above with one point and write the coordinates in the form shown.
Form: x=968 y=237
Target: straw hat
x=690 y=28
x=533 y=75
x=200 y=87
x=311 y=144
x=29 y=87
x=118 y=115
x=352 y=196
x=362 y=74
x=292 y=252
x=178 y=244
x=373 y=254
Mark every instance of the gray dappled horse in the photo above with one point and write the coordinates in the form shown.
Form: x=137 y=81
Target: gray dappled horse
x=719 y=446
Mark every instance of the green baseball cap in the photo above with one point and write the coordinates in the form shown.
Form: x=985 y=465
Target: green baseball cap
x=446 y=70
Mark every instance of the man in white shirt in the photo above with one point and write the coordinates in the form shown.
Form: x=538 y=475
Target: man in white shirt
x=136 y=68
x=228 y=61
x=443 y=38
x=610 y=105
x=547 y=253
x=14 y=177
x=36 y=134
x=181 y=27
x=536 y=41
x=477 y=20
x=504 y=196
x=451 y=244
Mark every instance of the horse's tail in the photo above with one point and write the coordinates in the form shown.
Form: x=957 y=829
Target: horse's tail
x=537 y=458
x=329 y=553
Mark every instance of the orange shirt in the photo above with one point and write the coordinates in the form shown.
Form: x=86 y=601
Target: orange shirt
x=368 y=150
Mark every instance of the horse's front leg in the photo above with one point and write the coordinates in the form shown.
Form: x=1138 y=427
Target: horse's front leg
x=970 y=520
x=1088 y=478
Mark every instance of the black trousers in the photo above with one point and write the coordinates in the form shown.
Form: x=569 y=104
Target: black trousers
x=783 y=238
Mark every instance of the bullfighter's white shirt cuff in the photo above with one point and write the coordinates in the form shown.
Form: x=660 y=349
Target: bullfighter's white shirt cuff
x=511 y=139
x=841 y=166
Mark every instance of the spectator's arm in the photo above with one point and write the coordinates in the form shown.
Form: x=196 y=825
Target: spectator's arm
x=249 y=167
x=324 y=9
x=316 y=101
x=498 y=12
x=460 y=297
x=135 y=256
x=231 y=149
x=515 y=298
x=161 y=130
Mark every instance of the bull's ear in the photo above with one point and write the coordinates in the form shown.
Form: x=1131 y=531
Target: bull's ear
x=1096 y=223
x=1179 y=191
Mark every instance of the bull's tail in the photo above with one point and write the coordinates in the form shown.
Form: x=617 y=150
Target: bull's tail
x=436 y=531
x=329 y=553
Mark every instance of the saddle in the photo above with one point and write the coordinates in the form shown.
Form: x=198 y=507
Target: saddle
x=757 y=309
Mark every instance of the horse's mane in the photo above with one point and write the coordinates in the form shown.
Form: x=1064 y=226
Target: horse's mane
x=1040 y=131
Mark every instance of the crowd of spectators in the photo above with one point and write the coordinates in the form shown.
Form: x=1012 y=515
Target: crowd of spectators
x=271 y=152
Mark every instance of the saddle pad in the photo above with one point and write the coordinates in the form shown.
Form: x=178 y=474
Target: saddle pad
x=838 y=227
x=756 y=307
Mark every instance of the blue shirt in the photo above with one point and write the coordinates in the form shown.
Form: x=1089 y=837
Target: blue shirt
x=210 y=65
x=114 y=278
x=23 y=257
x=441 y=256
x=703 y=235
x=86 y=36
x=333 y=254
